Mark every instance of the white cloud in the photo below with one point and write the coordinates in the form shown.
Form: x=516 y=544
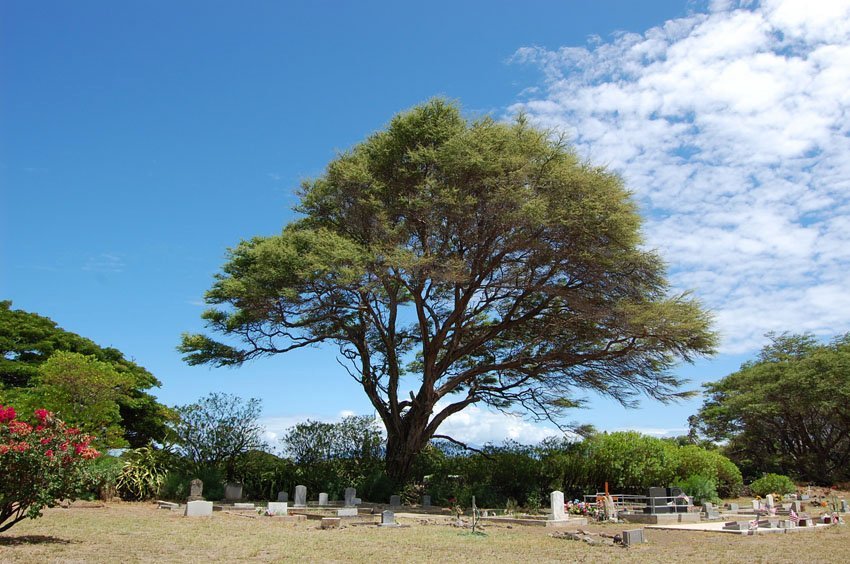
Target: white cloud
x=104 y=262
x=477 y=426
x=732 y=127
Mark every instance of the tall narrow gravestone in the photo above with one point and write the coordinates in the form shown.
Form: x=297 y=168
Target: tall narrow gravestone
x=196 y=490
x=323 y=498
x=426 y=501
x=300 y=496
x=350 y=493
x=556 y=500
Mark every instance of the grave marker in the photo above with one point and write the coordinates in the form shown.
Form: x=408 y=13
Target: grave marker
x=330 y=522
x=556 y=502
x=346 y=512
x=233 y=491
x=199 y=509
x=196 y=490
x=323 y=498
x=278 y=508
x=388 y=519
x=634 y=536
x=349 y=496
x=426 y=501
x=300 y=496
x=395 y=501
x=283 y=496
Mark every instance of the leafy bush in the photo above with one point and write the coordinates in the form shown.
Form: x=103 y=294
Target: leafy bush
x=102 y=477
x=39 y=464
x=143 y=473
x=696 y=461
x=772 y=483
x=175 y=486
x=700 y=488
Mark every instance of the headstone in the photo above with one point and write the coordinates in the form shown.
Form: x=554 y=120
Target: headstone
x=243 y=506
x=349 y=496
x=656 y=501
x=756 y=504
x=357 y=501
x=346 y=512
x=426 y=501
x=710 y=511
x=388 y=519
x=634 y=536
x=610 y=508
x=797 y=506
x=283 y=496
x=323 y=498
x=278 y=508
x=300 y=496
x=169 y=505
x=233 y=491
x=768 y=499
x=199 y=509
x=732 y=506
x=395 y=501
x=196 y=490
x=844 y=506
x=736 y=526
x=330 y=523
x=805 y=497
x=556 y=502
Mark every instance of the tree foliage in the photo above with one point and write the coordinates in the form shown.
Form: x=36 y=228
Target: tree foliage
x=787 y=412
x=215 y=430
x=29 y=375
x=485 y=261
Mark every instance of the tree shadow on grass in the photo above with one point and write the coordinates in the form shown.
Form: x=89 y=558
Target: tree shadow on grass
x=31 y=539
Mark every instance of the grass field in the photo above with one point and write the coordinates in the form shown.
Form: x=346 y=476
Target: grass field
x=136 y=532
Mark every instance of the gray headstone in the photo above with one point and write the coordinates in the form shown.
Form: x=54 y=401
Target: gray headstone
x=768 y=499
x=278 y=507
x=844 y=506
x=300 y=496
x=707 y=506
x=426 y=501
x=346 y=512
x=556 y=501
x=634 y=536
x=388 y=519
x=349 y=496
x=196 y=490
x=357 y=501
x=756 y=504
x=199 y=509
x=233 y=492
x=797 y=506
x=805 y=497
x=283 y=496
x=395 y=501
x=732 y=506
x=323 y=498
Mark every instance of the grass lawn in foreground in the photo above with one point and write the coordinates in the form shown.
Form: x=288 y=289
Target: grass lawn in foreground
x=139 y=532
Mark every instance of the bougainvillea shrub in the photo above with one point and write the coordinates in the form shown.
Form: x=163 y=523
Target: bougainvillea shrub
x=41 y=461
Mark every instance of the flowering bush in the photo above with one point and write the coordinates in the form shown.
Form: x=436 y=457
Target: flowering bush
x=40 y=462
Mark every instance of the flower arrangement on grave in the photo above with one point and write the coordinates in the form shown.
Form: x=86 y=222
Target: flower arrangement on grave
x=40 y=462
x=576 y=507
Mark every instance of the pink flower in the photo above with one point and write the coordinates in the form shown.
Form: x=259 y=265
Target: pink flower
x=20 y=428
x=41 y=414
x=7 y=413
x=48 y=453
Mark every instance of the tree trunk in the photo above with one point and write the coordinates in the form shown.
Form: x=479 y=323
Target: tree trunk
x=402 y=450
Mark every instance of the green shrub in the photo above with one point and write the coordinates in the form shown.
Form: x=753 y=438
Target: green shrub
x=102 y=477
x=700 y=488
x=143 y=472
x=772 y=484
x=175 y=486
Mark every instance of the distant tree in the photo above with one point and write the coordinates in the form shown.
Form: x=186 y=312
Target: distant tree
x=787 y=412
x=475 y=261
x=28 y=340
x=217 y=429
x=353 y=438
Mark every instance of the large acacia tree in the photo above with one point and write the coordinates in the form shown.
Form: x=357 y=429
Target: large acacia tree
x=460 y=262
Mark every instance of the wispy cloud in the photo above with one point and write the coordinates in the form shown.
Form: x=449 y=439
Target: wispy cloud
x=104 y=263
x=274 y=176
x=732 y=127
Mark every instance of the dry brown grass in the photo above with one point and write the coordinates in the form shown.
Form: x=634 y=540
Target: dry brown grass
x=127 y=532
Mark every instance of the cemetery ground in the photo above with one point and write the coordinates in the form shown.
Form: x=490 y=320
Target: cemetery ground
x=140 y=532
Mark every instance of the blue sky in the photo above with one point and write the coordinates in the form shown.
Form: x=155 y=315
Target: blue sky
x=139 y=141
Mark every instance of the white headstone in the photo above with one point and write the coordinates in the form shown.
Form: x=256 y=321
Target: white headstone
x=346 y=512
x=556 y=500
x=756 y=504
x=388 y=519
x=199 y=509
x=278 y=507
x=769 y=500
x=323 y=498
x=300 y=496
x=357 y=501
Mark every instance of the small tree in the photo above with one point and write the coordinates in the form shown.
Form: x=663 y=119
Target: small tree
x=217 y=429
x=39 y=464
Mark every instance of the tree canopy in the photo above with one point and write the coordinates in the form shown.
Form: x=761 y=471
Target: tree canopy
x=97 y=388
x=461 y=262
x=788 y=411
